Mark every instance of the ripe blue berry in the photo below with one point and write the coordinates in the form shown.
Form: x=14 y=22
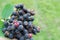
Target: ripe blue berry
x=20 y=28
x=10 y=35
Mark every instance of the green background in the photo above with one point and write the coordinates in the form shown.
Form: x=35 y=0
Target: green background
x=47 y=17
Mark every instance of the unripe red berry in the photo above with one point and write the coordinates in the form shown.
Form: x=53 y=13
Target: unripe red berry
x=30 y=35
x=16 y=24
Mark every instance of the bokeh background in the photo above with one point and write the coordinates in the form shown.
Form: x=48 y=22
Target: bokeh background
x=47 y=17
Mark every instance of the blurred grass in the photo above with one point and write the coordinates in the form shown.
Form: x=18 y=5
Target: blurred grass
x=47 y=16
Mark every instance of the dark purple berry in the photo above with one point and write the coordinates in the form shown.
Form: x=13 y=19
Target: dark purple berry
x=34 y=31
x=13 y=17
x=21 y=12
x=30 y=24
x=19 y=6
x=28 y=14
x=20 y=18
x=25 y=16
x=25 y=23
x=9 y=28
x=16 y=31
x=4 y=29
x=10 y=20
x=25 y=10
x=10 y=35
x=30 y=18
x=26 y=36
x=6 y=24
x=21 y=38
x=14 y=14
x=20 y=22
x=25 y=31
x=20 y=28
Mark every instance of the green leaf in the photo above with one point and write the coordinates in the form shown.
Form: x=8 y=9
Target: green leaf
x=7 y=11
x=1 y=24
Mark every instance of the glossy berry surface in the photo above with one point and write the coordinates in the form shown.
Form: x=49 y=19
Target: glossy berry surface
x=16 y=24
x=10 y=36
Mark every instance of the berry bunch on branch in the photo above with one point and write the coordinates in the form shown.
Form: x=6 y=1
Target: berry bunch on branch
x=20 y=25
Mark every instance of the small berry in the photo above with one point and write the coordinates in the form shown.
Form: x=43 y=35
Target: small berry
x=38 y=29
x=6 y=24
x=16 y=24
x=21 y=12
x=4 y=29
x=25 y=16
x=20 y=28
x=25 y=10
x=30 y=35
x=10 y=36
x=6 y=34
x=28 y=14
x=14 y=14
x=34 y=31
x=30 y=18
x=21 y=38
x=10 y=20
x=19 y=6
x=25 y=23
x=20 y=22
x=21 y=18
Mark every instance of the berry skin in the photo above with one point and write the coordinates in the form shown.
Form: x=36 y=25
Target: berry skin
x=12 y=31
x=4 y=29
x=14 y=21
x=9 y=28
x=34 y=31
x=25 y=23
x=30 y=18
x=10 y=20
x=6 y=34
x=10 y=24
x=25 y=10
x=25 y=31
x=14 y=14
x=38 y=29
x=12 y=27
x=21 y=18
x=25 y=16
x=16 y=31
x=26 y=36
x=20 y=28
x=30 y=24
x=19 y=6
x=16 y=24
x=6 y=24
x=20 y=22
x=21 y=12
x=13 y=17
x=28 y=14
x=30 y=35
x=21 y=38
x=31 y=38
x=18 y=36
x=11 y=36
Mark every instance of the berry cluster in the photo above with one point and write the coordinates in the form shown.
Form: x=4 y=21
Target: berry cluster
x=20 y=25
